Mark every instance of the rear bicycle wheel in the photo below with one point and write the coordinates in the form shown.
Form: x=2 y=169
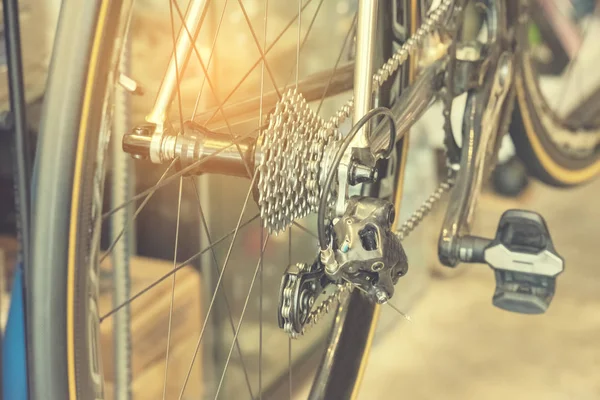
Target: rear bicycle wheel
x=62 y=297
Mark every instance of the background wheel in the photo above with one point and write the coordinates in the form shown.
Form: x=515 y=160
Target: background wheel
x=556 y=150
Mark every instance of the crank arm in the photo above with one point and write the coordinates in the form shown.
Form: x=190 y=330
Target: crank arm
x=480 y=132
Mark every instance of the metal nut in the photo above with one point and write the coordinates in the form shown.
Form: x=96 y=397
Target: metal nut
x=377 y=266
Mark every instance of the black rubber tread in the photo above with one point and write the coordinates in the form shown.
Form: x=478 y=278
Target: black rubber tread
x=531 y=158
x=52 y=202
x=544 y=160
x=46 y=288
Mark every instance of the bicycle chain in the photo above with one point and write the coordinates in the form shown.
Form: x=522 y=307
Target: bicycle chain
x=396 y=60
x=447 y=92
x=419 y=215
x=339 y=294
x=391 y=66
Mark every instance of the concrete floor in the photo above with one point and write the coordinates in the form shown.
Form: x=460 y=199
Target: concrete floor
x=461 y=347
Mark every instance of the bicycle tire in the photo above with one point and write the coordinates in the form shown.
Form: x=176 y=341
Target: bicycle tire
x=62 y=319
x=534 y=126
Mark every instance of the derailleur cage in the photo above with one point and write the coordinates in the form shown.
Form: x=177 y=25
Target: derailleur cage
x=300 y=286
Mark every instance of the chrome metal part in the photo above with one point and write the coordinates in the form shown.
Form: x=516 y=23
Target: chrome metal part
x=360 y=173
x=363 y=67
x=327 y=257
x=138 y=142
x=447 y=93
x=194 y=144
x=365 y=253
x=177 y=64
x=130 y=85
x=301 y=285
x=335 y=298
x=368 y=253
x=434 y=48
x=289 y=169
x=222 y=156
x=479 y=143
x=291 y=156
x=436 y=17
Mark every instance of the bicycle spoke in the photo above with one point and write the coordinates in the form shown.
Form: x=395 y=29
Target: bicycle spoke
x=210 y=57
x=298 y=40
x=290 y=367
x=261 y=281
x=216 y=263
x=259 y=47
x=172 y=288
x=299 y=48
x=247 y=74
x=218 y=284
x=283 y=89
x=337 y=62
x=260 y=317
x=289 y=338
x=212 y=88
x=179 y=266
x=291 y=226
x=304 y=229
x=137 y=212
x=239 y=325
x=406 y=316
x=177 y=77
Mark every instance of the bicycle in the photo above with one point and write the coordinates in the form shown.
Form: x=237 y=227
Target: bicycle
x=299 y=163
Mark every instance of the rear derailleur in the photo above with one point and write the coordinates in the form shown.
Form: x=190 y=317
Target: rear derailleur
x=365 y=254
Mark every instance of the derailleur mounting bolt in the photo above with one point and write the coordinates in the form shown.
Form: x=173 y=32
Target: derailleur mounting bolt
x=328 y=259
x=360 y=173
